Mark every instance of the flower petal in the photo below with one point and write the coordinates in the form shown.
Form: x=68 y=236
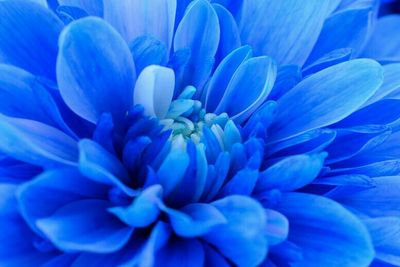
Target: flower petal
x=85 y=225
x=326 y=97
x=289 y=33
x=92 y=7
x=327 y=234
x=154 y=90
x=31 y=32
x=291 y=173
x=105 y=82
x=199 y=32
x=36 y=143
x=243 y=239
x=134 y=18
x=391 y=83
x=345 y=29
x=238 y=101
x=383 y=44
x=181 y=252
x=146 y=51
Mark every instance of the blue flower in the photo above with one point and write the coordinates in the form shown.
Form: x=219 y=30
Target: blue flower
x=199 y=133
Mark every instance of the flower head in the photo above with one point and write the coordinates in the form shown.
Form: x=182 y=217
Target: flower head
x=198 y=133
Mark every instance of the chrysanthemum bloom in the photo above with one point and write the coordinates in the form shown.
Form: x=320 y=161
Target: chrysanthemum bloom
x=198 y=133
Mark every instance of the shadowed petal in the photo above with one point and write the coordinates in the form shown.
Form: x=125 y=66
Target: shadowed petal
x=92 y=7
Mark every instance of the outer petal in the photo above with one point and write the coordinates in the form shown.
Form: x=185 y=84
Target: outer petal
x=243 y=239
x=105 y=82
x=36 y=143
x=328 y=234
x=199 y=32
x=85 y=226
x=30 y=33
x=92 y=7
x=345 y=29
x=291 y=173
x=383 y=44
x=326 y=97
x=154 y=90
x=284 y=30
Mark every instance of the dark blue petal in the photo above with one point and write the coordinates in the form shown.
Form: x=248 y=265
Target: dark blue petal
x=243 y=239
x=346 y=180
x=223 y=75
x=381 y=168
x=85 y=225
x=290 y=31
x=136 y=18
x=230 y=37
x=144 y=209
x=382 y=112
x=291 y=173
x=36 y=143
x=310 y=104
x=286 y=78
x=181 y=252
x=104 y=83
x=383 y=44
x=346 y=29
x=16 y=239
x=70 y=13
x=31 y=33
x=385 y=233
x=199 y=32
x=327 y=234
x=238 y=101
x=381 y=200
x=242 y=183
x=92 y=7
x=146 y=51
x=65 y=185
x=214 y=258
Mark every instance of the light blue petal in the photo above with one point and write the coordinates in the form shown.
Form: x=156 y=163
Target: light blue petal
x=92 y=7
x=154 y=90
x=65 y=185
x=194 y=220
x=310 y=142
x=391 y=83
x=85 y=225
x=346 y=180
x=172 y=170
x=345 y=29
x=104 y=83
x=70 y=13
x=326 y=97
x=199 y=32
x=230 y=37
x=144 y=209
x=135 y=18
x=277 y=227
x=385 y=233
x=383 y=44
x=243 y=239
x=146 y=51
x=381 y=200
x=238 y=101
x=242 y=183
x=31 y=32
x=291 y=173
x=329 y=59
x=327 y=233
x=36 y=143
x=223 y=75
x=290 y=31
x=99 y=165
